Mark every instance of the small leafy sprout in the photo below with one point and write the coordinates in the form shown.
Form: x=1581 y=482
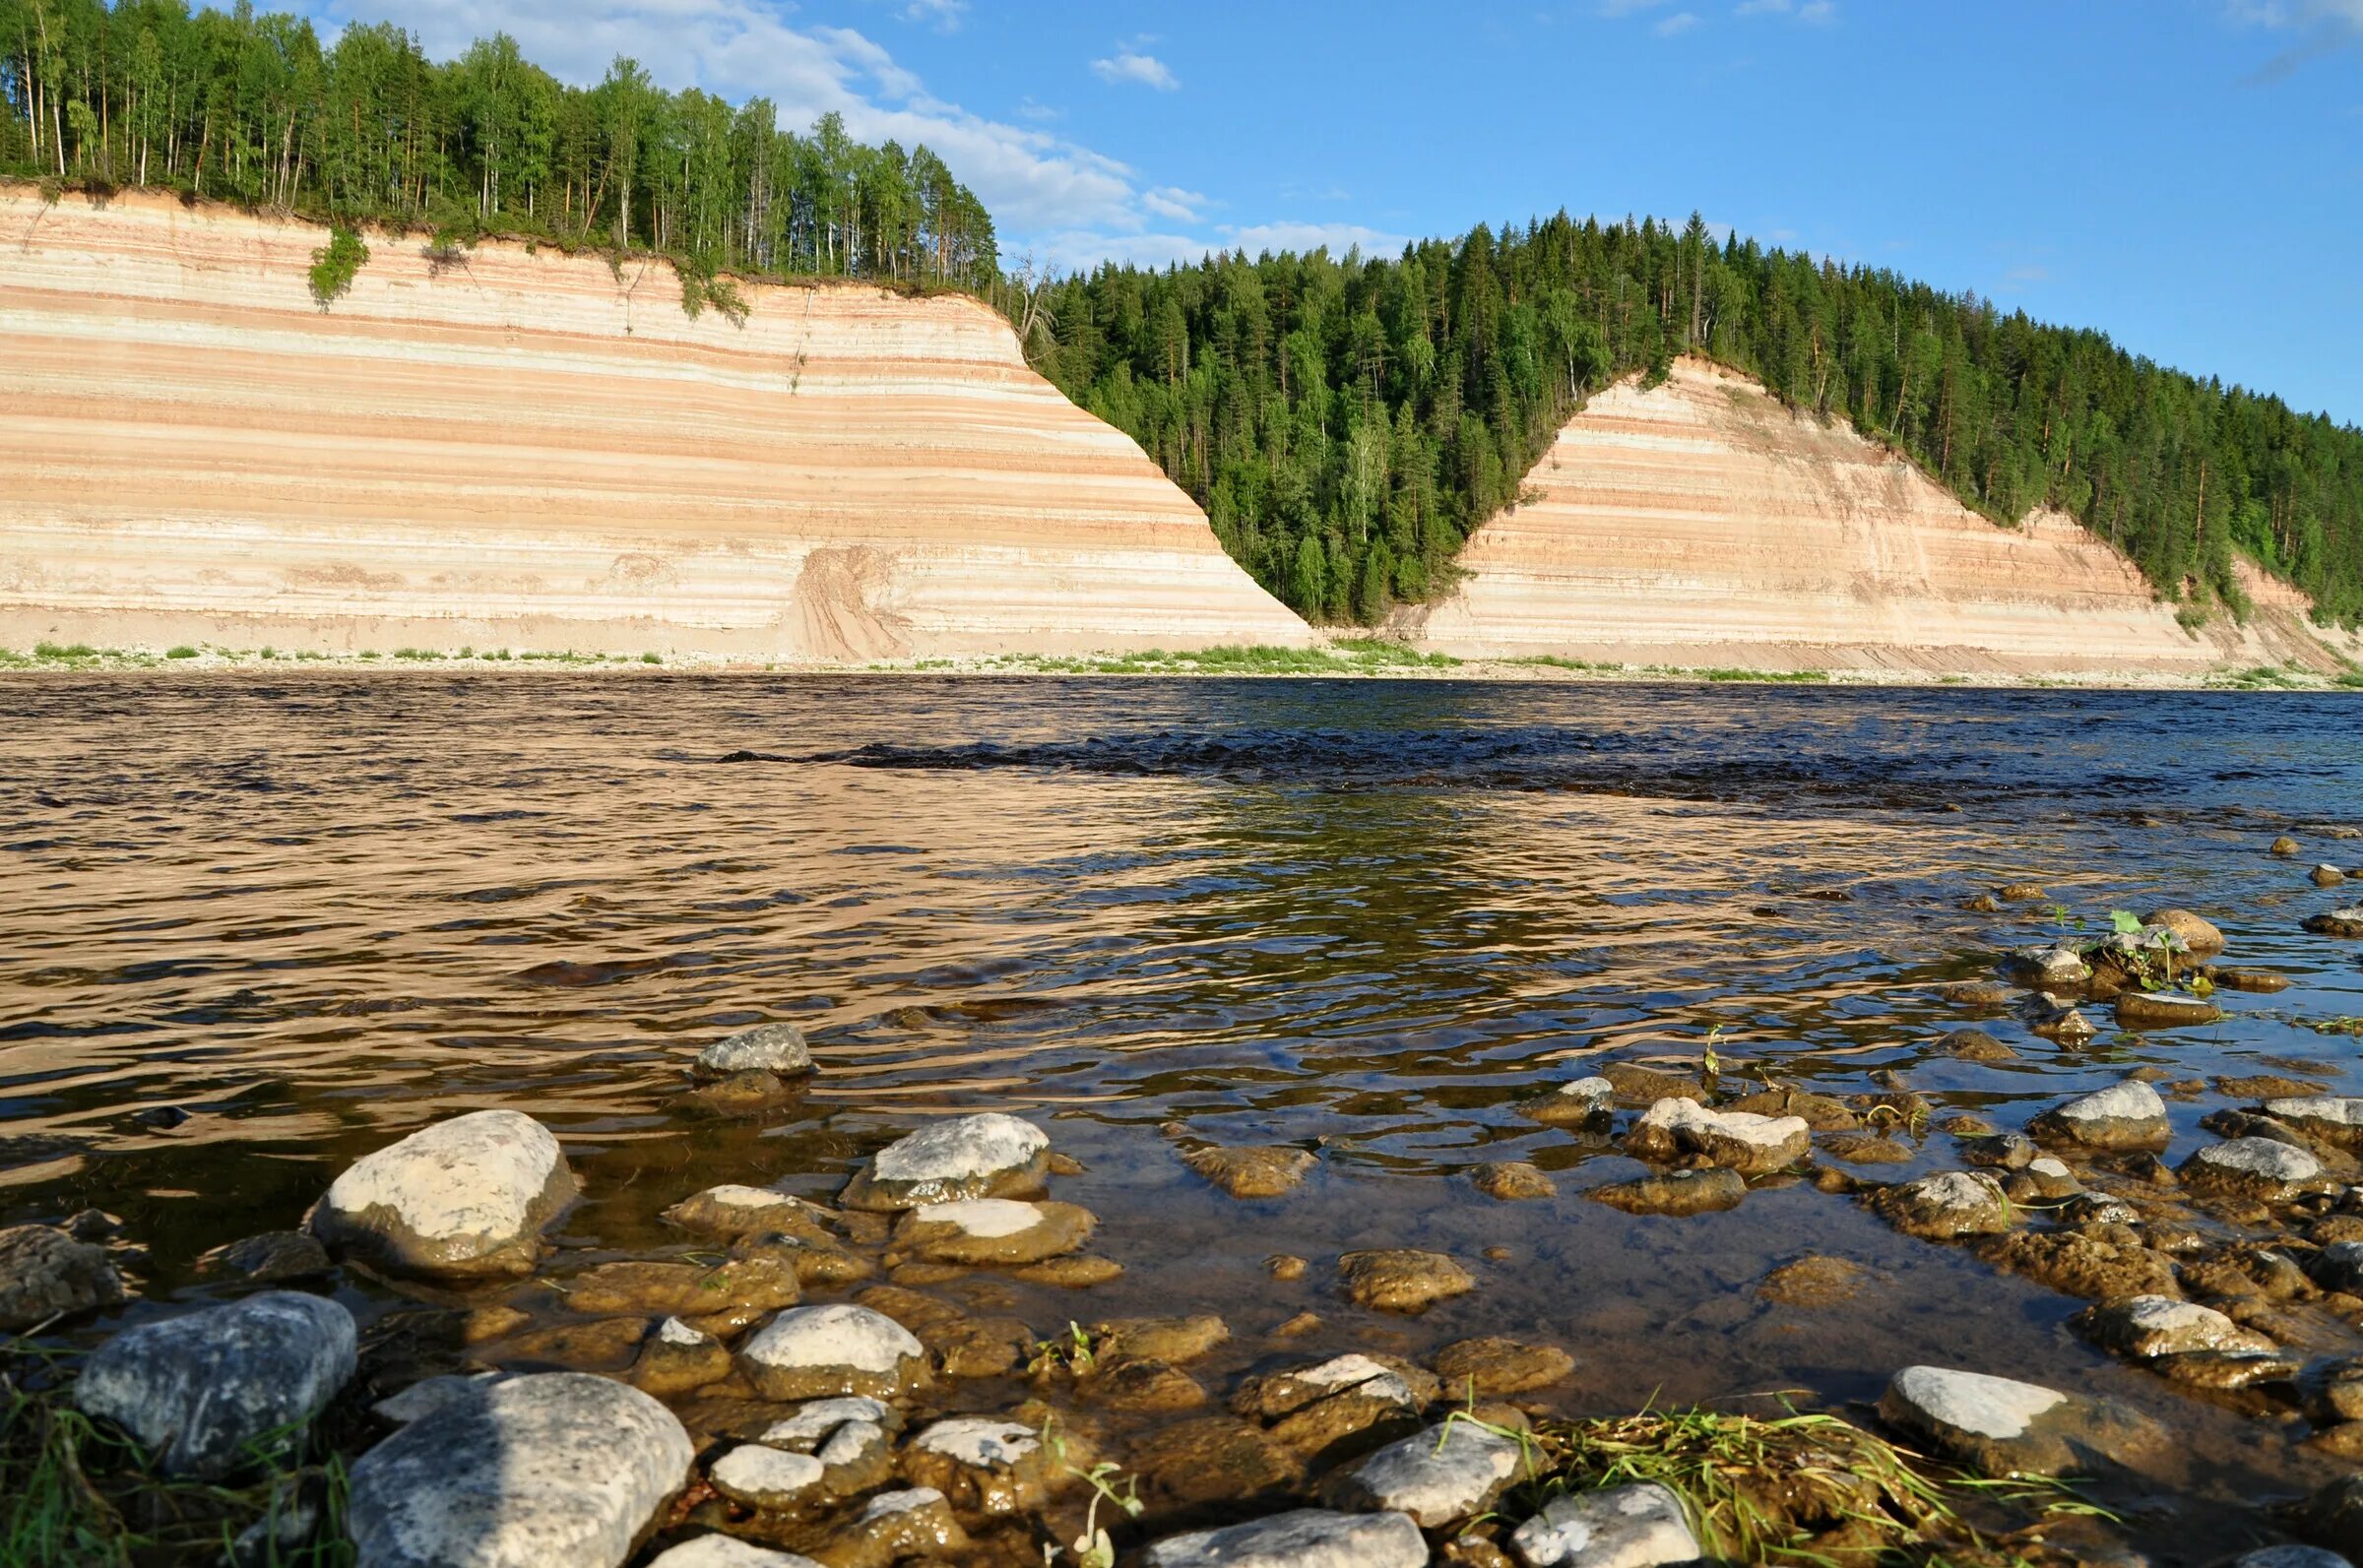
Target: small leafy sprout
x=1093 y=1548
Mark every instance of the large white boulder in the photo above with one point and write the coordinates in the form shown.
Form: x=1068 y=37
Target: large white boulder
x=462 y=1197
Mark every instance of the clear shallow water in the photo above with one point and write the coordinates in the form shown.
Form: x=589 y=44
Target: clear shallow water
x=1364 y=918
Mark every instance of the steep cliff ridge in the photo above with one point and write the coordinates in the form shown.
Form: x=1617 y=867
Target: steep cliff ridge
x=524 y=449
x=1703 y=523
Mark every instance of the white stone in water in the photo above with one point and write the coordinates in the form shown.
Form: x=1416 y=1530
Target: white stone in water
x=2341 y=1113
x=466 y=1196
x=726 y=1552
x=813 y=1422
x=734 y=1195
x=1971 y=1402
x=2254 y=1160
x=850 y=1443
x=834 y=1348
x=902 y=1502
x=199 y=1388
x=987 y=1218
x=2087 y=1116
x=1437 y=1475
x=765 y=1478
x=979 y=1442
x=2146 y=1327
x=958 y=1150
x=1735 y=1138
x=767 y=1047
x=552 y=1468
x=1619 y=1527
x=1595 y=1088
x=1359 y=1373
x=1309 y=1537
x=672 y=1331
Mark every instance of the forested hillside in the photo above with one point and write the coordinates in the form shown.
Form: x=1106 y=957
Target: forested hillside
x=248 y=107
x=1346 y=422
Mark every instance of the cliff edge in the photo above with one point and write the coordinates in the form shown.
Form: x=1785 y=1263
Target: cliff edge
x=510 y=447
x=1701 y=524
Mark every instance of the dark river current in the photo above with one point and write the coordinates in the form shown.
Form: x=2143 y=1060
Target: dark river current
x=1367 y=918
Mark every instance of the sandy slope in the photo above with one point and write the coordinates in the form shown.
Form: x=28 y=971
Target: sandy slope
x=1701 y=524
x=533 y=451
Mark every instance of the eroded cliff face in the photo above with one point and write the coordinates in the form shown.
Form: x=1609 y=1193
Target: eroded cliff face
x=508 y=448
x=1701 y=524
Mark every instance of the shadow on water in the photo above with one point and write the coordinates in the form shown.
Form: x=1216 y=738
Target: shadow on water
x=1364 y=918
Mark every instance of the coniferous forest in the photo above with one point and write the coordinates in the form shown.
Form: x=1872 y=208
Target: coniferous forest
x=1345 y=421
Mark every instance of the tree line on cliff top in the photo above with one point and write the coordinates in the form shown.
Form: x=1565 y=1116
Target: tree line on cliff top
x=1345 y=421
x=248 y=107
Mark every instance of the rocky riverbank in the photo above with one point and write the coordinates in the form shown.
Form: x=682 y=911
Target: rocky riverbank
x=840 y=1382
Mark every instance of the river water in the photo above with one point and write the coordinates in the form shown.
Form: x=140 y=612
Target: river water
x=1367 y=918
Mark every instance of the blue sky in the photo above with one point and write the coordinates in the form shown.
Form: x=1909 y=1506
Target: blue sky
x=2184 y=175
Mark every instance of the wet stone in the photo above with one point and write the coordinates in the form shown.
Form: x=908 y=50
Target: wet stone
x=1513 y=1181
x=2144 y=1327
x=2256 y=981
x=743 y=1094
x=2044 y=1180
x=1571 y=1105
x=1815 y=1281
x=1252 y=1172
x=593 y=1345
x=2346 y=924
x=1977 y=995
x=816 y=1264
x=1944 y=1206
x=730 y=1212
x=813 y=1424
x=1215 y=1458
x=2284 y=845
x=766 y=1049
x=752 y=1285
x=986 y=1155
x=2332 y=1516
x=989 y=1230
x=2335 y=1119
x=2047 y=968
x=1741 y=1140
x=809 y=1352
x=768 y=1479
x=1617 y=1527
x=2339 y=1267
x=677 y=1360
x=1868 y=1149
x=2261 y=1170
x=266 y=1259
x=1306 y=1538
x=1285 y=1265
x=2000 y=1151
x=1677 y=1192
x=465 y=1197
x=2053 y=1019
x=1281 y=1394
x=1164 y=1338
x=2002 y=1428
x=992 y=1467
x=1402 y=1279
x=2290 y=1558
x=45 y=1272
x=1975 y=1046
x=1636 y=1085
x=2164 y=1010
x=549 y=1469
x=2269 y=1085
x=199 y=1388
x=726 y=1552
x=2127 y=1116
x=1436 y=1476
x=1495 y=1366
x=2079 y=1265
x=1075 y=1272
x=2199 y=934
x=2327 y=876
x=1142 y=1383
x=895 y=1526
x=1821 y=1113
x=2225 y=1371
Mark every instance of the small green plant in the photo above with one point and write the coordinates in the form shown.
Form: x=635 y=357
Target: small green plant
x=64 y=651
x=335 y=264
x=1093 y=1548
x=181 y=650
x=651 y=658
x=1072 y=1353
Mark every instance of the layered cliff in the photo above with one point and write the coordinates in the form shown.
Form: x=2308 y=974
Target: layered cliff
x=1703 y=523
x=505 y=447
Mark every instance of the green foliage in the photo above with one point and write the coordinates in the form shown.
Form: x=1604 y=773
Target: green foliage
x=651 y=658
x=248 y=106
x=1347 y=420
x=182 y=651
x=335 y=264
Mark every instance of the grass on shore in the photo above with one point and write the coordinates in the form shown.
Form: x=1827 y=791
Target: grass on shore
x=77 y=1491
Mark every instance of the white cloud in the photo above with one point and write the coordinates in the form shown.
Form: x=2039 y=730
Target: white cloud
x=1678 y=22
x=1626 y=8
x=1128 y=66
x=1810 y=10
x=1170 y=201
x=2322 y=28
x=942 y=14
x=1337 y=238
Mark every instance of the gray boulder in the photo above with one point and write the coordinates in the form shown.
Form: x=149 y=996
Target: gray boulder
x=198 y=1389
x=1436 y=1476
x=2335 y=1119
x=2127 y=1116
x=2264 y=1169
x=816 y=1352
x=45 y=1272
x=465 y=1197
x=2146 y=1327
x=552 y=1468
x=1619 y=1527
x=2002 y=1428
x=766 y=1049
x=1309 y=1537
x=988 y=1156
x=726 y=1552
x=1944 y=1206
x=1736 y=1139
x=2047 y=968
x=2339 y=1267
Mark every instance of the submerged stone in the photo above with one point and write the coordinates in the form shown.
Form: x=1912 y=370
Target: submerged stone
x=1571 y=1105
x=1975 y=1045
x=2145 y=1327
x=1675 y=1192
x=2002 y=1428
x=1252 y=1172
x=554 y=1468
x=1402 y=1279
x=2335 y=1119
x=678 y=1359
x=197 y=1390
x=915 y=1522
x=45 y=1273
x=2346 y=922
x=986 y=1155
x=1944 y=1206
x=1495 y=1366
x=730 y=1212
x=1815 y=1281
x=1640 y=1526
x=752 y=1285
x=986 y=1231
x=1215 y=1458
x=266 y=1259
x=1513 y=1181
x=2164 y=1010
x=463 y=1197
x=1306 y=1538
x=993 y=1466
